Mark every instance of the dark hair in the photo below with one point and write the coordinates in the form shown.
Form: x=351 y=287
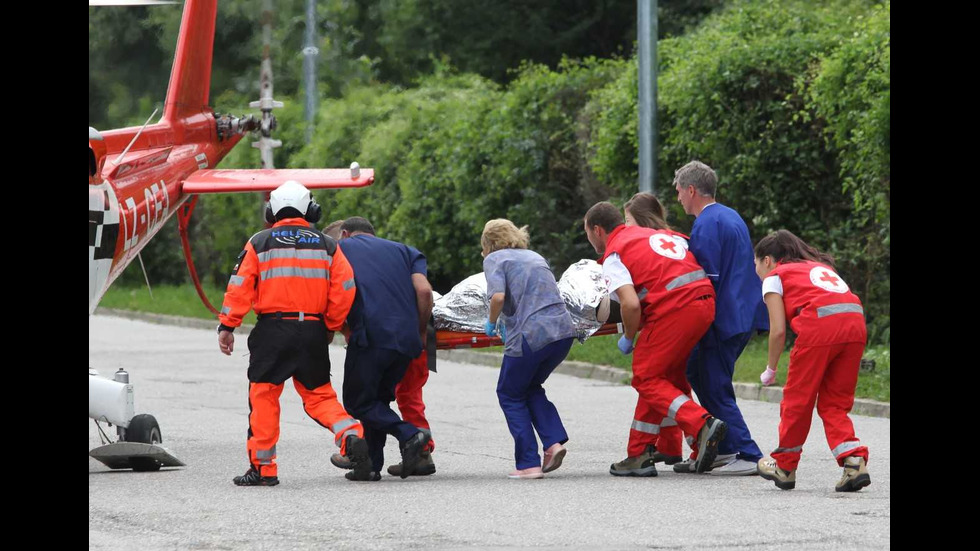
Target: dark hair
x=605 y=215
x=288 y=212
x=357 y=223
x=783 y=246
x=647 y=210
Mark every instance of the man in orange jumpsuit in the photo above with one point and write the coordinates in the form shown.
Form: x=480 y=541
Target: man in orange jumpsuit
x=301 y=287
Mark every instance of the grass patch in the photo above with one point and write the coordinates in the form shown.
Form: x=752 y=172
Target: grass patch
x=173 y=300
x=874 y=385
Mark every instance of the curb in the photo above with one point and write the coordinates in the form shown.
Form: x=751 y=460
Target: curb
x=164 y=319
x=745 y=391
x=862 y=406
x=582 y=370
x=576 y=369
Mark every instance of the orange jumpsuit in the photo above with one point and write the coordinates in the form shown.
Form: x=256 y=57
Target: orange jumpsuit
x=301 y=286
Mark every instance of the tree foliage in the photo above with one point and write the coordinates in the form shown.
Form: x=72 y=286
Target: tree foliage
x=359 y=42
x=788 y=101
x=850 y=90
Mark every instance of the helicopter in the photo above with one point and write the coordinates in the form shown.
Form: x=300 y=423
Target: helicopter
x=140 y=177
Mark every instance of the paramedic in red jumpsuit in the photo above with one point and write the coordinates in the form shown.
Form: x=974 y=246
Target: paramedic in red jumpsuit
x=801 y=286
x=668 y=301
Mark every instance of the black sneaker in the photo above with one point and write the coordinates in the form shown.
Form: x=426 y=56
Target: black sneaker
x=253 y=478
x=709 y=436
x=357 y=452
x=372 y=476
x=412 y=453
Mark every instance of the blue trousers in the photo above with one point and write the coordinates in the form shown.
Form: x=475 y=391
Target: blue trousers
x=524 y=403
x=370 y=376
x=710 y=370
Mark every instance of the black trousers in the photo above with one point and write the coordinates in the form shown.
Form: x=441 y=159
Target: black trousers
x=280 y=349
x=370 y=377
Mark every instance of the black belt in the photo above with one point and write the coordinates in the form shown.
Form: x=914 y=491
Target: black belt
x=290 y=315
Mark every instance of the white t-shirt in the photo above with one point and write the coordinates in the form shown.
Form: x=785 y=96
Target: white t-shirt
x=772 y=284
x=615 y=274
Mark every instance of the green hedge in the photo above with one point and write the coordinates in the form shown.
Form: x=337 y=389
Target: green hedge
x=787 y=101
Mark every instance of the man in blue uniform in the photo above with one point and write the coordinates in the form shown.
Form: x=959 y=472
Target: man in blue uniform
x=720 y=241
x=387 y=328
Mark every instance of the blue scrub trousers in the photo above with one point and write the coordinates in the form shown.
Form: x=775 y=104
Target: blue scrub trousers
x=523 y=400
x=370 y=377
x=710 y=370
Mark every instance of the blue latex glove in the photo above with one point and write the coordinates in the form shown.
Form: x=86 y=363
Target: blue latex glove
x=625 y=345
x=490 y=328
x=503 y=332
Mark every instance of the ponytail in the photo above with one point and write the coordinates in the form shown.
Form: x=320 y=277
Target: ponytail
x=783 y=246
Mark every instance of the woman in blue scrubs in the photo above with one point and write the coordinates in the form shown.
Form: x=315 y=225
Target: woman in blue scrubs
x=527 y=310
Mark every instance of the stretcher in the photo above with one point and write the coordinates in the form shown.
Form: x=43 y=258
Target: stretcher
x=448 y=340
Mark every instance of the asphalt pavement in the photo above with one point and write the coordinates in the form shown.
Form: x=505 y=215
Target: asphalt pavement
x=199 y=397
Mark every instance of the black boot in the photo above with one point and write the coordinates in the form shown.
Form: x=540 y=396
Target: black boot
x=357 y=452
x=412 y=453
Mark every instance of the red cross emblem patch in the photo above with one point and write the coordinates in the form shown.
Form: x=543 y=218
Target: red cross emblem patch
x=826 y=279
x=667 y=245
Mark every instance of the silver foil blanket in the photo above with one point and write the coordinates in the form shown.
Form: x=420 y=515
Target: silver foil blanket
x=582 y=287
x=465 y=307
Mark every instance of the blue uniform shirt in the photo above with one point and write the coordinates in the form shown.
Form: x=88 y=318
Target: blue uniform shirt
x=385 y=312
x=720 y=242
x=533 y=307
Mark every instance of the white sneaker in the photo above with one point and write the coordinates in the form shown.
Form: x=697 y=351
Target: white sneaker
x=738 y=467
x=723 y=459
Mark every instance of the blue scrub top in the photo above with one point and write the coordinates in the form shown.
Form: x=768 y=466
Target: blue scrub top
x=533 y=307
x=721 y=244
x=385 y=311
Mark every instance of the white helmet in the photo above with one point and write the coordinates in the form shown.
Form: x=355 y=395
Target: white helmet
x=290 y=194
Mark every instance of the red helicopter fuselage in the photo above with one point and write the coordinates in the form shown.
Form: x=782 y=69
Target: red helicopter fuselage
x=140 y=176
x=130 y=201
x=131 y=196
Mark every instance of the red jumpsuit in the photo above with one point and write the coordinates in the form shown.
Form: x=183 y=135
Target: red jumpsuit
x=677 y=307
x=291 y=269
x=408 y=394
x=828 y=320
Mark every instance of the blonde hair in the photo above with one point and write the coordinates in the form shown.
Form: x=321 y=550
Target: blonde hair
x=501 y=233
